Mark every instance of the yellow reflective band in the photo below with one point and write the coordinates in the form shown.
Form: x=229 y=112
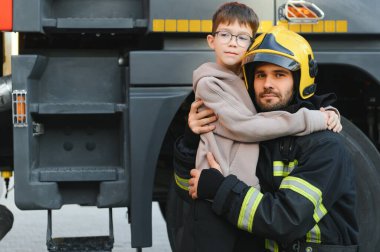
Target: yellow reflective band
x=306 y=28
x=295 y=27
x=170 y=25
x=248 y=209
x=205 y=26
x=181 y=182
x=195 y=26
x=312 y=193
x=318 y=27
x=341 y=26
x=319 y=212
x=183 y=26
x=329 y=26
x=282 y=170
x=271 y=245
x=314 y=235
x=158 y=25
x=323 y=26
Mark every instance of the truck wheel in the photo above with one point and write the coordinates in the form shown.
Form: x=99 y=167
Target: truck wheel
x=366 y=159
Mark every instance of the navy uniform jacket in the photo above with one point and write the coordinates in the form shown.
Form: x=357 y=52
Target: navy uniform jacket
x=309 y=192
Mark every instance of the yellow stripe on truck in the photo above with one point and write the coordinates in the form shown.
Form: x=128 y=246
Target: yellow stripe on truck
x=341 y=26
x=183 y=25
x=205 y=26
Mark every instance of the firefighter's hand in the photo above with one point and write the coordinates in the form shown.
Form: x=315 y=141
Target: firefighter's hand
x=333 y=120
x=206 y=190
x=199 y=121
x=195 y=174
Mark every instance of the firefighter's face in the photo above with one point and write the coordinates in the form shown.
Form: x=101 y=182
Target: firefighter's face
x=229 y=44
x=273 y=86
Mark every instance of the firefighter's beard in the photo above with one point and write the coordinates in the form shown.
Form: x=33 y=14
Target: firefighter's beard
x=279 y=102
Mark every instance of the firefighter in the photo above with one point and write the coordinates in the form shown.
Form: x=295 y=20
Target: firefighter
x=308 y=196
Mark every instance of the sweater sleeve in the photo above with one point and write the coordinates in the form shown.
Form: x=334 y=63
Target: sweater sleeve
x=301 y=201
x=240 y=124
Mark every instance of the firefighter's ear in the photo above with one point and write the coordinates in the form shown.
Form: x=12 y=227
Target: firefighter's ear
x=210 y=41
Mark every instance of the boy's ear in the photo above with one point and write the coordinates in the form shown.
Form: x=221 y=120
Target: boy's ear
x=210 y=41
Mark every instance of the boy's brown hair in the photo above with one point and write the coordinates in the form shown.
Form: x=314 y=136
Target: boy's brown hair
x=232 y=11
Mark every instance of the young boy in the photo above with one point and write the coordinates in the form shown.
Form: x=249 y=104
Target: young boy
x=238 y=129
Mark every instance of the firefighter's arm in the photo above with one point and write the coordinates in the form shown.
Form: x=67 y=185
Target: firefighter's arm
x=302 y=200
x=185 y=149
x=240 y=124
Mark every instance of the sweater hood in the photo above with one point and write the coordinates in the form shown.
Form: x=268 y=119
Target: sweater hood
x=214 y=70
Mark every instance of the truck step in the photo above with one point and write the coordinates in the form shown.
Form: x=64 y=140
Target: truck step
x=90 y=243
x=83 y=243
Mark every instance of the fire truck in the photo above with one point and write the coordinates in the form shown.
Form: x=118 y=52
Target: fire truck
x=100 y=89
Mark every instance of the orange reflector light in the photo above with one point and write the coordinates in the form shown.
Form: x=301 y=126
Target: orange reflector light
x=300 y=11
x=19 y=108
x=6 y=15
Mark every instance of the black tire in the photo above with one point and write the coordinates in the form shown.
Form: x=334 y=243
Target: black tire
x=6 y=221
x=366 y=159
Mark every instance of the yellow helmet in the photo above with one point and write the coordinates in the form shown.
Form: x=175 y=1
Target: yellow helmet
x=287 y=49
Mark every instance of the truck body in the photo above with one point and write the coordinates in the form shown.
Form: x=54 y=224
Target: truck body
x=100 y=90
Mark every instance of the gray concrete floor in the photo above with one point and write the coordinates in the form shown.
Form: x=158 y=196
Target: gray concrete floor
x=29 y=229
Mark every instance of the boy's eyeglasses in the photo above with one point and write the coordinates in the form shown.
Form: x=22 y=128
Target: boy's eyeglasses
x=242 y=40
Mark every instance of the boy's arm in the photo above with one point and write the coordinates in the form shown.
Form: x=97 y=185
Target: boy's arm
x=325 y=102
x=333 y=122
x=241 y=124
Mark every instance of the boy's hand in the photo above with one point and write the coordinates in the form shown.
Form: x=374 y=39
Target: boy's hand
x=193 y=183
x=195 y=174
x=199 y=122
x=212 y=162
x=333 y=121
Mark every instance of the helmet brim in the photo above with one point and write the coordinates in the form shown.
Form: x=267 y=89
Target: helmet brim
x=279 y=60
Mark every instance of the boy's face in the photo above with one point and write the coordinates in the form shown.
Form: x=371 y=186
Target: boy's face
x=230 y=53
x=273 y=86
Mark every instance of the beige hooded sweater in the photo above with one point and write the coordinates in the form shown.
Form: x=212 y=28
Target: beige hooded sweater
x=239 y=127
